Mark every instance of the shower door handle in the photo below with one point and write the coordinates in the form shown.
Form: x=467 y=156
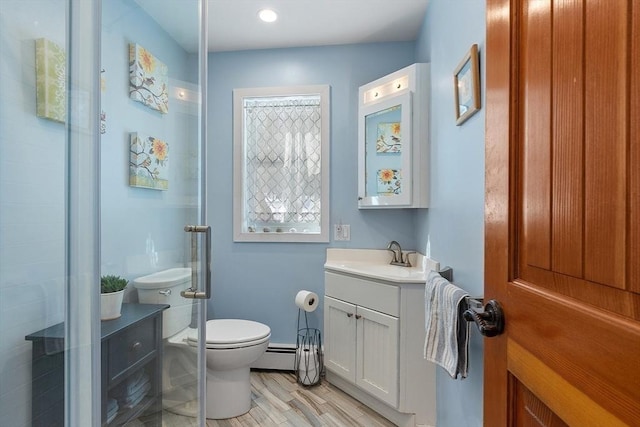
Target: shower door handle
x=193 y=291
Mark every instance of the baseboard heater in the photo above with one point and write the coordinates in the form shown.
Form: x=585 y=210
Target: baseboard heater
x=281 y=357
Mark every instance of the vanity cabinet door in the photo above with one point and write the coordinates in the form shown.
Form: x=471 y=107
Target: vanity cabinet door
x=377 y=354
x=340 y=337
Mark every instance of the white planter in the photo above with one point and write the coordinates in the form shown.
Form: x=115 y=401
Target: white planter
x=110 y=305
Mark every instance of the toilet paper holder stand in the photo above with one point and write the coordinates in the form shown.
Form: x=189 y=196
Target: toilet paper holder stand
x=309 y=360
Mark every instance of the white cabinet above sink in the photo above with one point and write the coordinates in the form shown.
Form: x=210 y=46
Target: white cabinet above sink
x=393 y=140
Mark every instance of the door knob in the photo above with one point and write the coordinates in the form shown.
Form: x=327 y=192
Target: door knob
x=490 y=322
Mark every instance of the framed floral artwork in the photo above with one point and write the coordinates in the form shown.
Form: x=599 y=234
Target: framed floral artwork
x=389 y=182
x=148 y=162
x=51 y=98
x=389 y=139
x=148 y=79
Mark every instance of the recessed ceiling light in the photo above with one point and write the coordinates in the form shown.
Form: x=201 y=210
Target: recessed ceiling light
x=267 y=15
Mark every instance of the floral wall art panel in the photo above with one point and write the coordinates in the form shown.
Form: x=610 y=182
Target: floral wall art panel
x=389 y=182
x=148 y=79
x=51 y=96
x=389 y=139
x=148 y=162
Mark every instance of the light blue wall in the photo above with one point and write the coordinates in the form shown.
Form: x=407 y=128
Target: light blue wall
x=454 y=221
x=259 y=280
x=142 y=229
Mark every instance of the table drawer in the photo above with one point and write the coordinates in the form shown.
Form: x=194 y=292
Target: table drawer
x=130 y=346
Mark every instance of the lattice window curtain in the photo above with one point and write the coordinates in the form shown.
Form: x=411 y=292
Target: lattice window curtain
x=283 y=152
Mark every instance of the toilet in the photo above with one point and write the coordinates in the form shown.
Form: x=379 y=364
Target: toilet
x=232 y=346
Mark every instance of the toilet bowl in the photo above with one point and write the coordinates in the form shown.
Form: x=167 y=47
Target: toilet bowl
x=232 y=346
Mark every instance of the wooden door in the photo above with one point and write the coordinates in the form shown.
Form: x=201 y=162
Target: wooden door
x=562 y=225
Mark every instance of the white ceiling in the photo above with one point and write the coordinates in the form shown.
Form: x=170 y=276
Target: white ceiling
x=234 y=25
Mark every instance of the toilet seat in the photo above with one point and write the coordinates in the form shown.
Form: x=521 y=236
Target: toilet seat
x=232 y=333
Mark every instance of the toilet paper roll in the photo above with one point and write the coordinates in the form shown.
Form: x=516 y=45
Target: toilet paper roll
x=307 y=300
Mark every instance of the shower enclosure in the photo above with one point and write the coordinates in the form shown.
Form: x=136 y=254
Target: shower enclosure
x=102 y=130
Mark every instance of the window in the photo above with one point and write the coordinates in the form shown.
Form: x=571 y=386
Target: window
x=281 y=164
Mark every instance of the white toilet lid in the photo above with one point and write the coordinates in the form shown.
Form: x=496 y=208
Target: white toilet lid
x=231 y=333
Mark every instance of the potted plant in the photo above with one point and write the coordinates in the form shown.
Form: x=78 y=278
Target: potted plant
x=111 y=293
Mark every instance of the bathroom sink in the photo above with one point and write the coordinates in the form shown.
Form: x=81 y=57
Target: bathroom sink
x=374 y=263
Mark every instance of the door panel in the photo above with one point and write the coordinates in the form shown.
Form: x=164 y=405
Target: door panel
x=593 y=358
x=377 y=354
x=566 y=113
x=153 y=152
x=340 y=337
x=530 y=411
x=606 y=138
x=561 y=219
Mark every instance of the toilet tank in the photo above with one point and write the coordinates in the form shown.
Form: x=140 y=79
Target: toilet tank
x=164 y=287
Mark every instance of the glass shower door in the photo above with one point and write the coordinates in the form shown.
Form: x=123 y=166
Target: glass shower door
x=69 y=210
x=153 y=66
x=49 y=263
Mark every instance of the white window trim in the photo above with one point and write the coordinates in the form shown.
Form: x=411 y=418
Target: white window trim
x=238 y=164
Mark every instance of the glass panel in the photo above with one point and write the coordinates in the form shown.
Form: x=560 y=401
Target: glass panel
x=386 y=132
x=151 y=188
x=48 y=218
x=49 y=192
x=383 y=147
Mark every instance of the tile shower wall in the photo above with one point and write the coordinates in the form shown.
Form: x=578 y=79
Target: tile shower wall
x=138 y=224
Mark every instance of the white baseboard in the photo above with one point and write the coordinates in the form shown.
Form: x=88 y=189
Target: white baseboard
x=279 y=357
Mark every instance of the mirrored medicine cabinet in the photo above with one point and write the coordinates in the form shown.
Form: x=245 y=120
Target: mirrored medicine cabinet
x=393 y=141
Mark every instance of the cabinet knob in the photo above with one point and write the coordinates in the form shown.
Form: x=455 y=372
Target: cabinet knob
x=349 y=314
x=136 y=346
x=358 y=316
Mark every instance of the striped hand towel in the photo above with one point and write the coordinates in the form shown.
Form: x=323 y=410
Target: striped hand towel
x=447 y=333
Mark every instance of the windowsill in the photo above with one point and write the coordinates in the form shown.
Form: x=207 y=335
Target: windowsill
x=284 y=237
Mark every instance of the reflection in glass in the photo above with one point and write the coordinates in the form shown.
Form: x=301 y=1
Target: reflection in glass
x=383 y=148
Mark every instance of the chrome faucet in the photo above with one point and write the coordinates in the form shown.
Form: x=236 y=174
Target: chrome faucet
x=398 y=258
x=395 y=252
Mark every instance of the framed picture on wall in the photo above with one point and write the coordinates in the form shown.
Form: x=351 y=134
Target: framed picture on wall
x=466 y=84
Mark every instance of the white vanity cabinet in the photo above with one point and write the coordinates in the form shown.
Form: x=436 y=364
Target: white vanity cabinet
x=373 y=339
x=393 y=140
x=361 y=335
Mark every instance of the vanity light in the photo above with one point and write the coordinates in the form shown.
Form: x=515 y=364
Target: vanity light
x=386 y=89
x=267 y=15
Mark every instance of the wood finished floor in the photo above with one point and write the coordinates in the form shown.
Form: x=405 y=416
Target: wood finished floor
x=278 y=400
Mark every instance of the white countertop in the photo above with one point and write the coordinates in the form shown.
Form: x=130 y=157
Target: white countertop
x=375 y=263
